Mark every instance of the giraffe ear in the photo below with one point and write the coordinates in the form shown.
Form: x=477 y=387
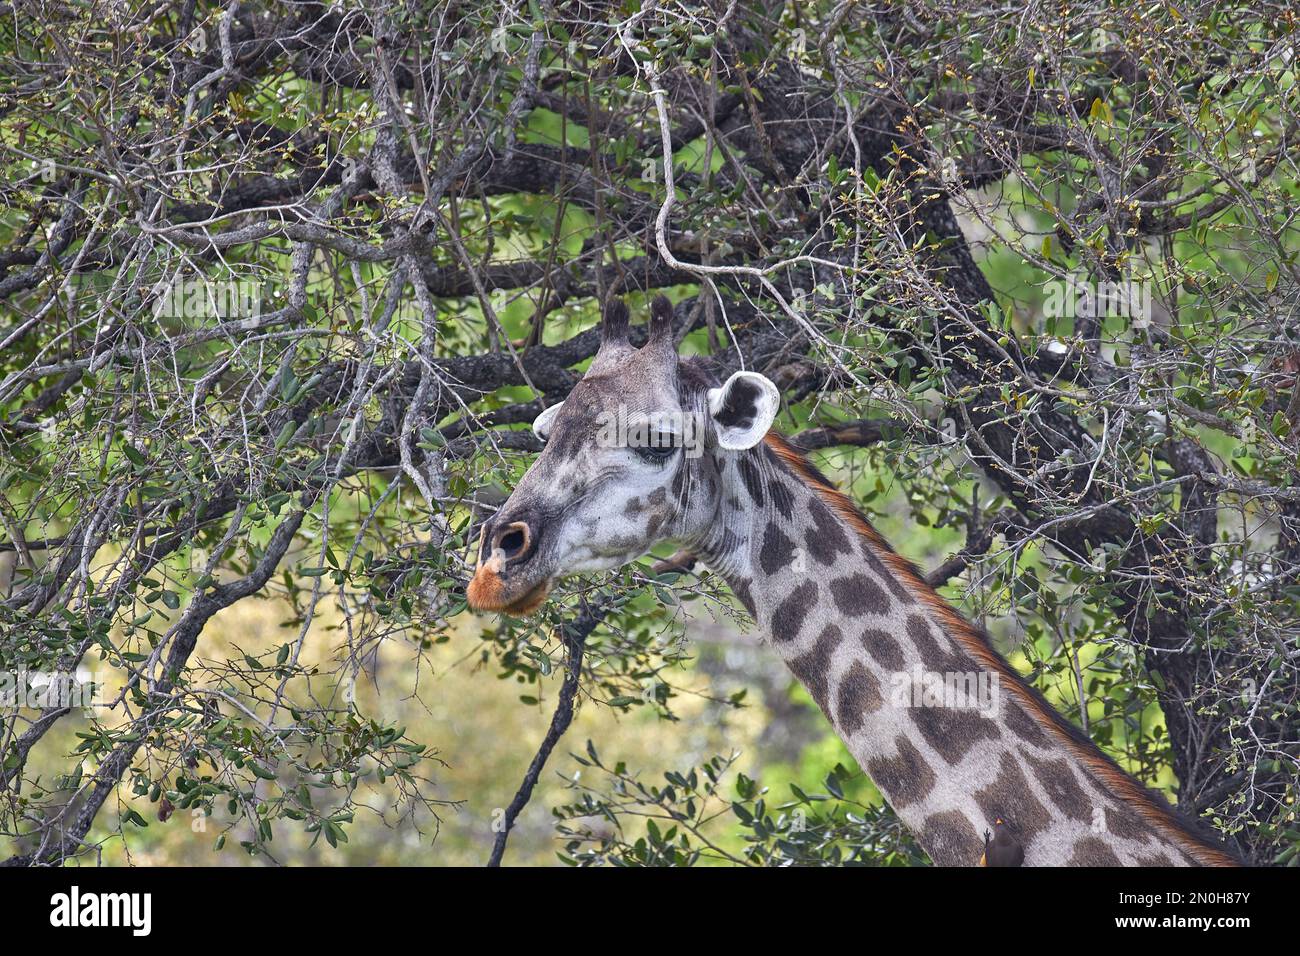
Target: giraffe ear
x=743 y=409
x=542 y=423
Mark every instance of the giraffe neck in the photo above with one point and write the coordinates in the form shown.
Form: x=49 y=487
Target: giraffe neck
x=945 y=728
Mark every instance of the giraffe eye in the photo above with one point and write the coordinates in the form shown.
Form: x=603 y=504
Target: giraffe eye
x=659 y=451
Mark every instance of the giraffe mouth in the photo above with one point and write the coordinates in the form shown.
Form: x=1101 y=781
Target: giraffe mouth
x=530 y=601
x=488 y=592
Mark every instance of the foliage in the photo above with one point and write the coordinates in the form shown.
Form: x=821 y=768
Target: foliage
x=686 y=822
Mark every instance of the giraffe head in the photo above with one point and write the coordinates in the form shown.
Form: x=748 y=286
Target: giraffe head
x=631 y=459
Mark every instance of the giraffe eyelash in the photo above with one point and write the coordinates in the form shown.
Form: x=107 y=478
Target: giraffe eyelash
x=655 y=454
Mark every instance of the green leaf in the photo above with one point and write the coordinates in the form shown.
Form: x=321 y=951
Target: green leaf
x=286 y=432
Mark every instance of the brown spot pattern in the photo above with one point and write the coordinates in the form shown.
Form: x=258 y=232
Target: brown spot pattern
x=1126 y=824
x=813 y=668
x=788 y=617
x=1155 y=859
x=857 y=594
x=1059 y=781
x=891 y=581
x=777 y=552
x=1090 y=851
x=953 y=731
x=951 y=839
x=937 y=652
x=829 y=539
x=1008 y=797
x=858 y=695
x=883 y=648
x=752 y=479
x=903 y=778
x=782 y=497
x=1024 y=726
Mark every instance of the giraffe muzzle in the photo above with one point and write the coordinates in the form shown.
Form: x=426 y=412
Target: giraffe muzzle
x=497 y=585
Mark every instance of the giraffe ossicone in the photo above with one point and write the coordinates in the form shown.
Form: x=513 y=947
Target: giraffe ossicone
x=952 y=736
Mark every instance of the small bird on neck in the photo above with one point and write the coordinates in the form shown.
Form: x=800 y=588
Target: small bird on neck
x=1001 y=848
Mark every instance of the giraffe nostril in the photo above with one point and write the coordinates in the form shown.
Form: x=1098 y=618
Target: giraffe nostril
x=514 y=541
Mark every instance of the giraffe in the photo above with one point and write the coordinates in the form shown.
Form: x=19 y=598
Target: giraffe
x=953 y=738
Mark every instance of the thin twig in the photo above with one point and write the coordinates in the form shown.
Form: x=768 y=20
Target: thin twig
x=575 y=639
